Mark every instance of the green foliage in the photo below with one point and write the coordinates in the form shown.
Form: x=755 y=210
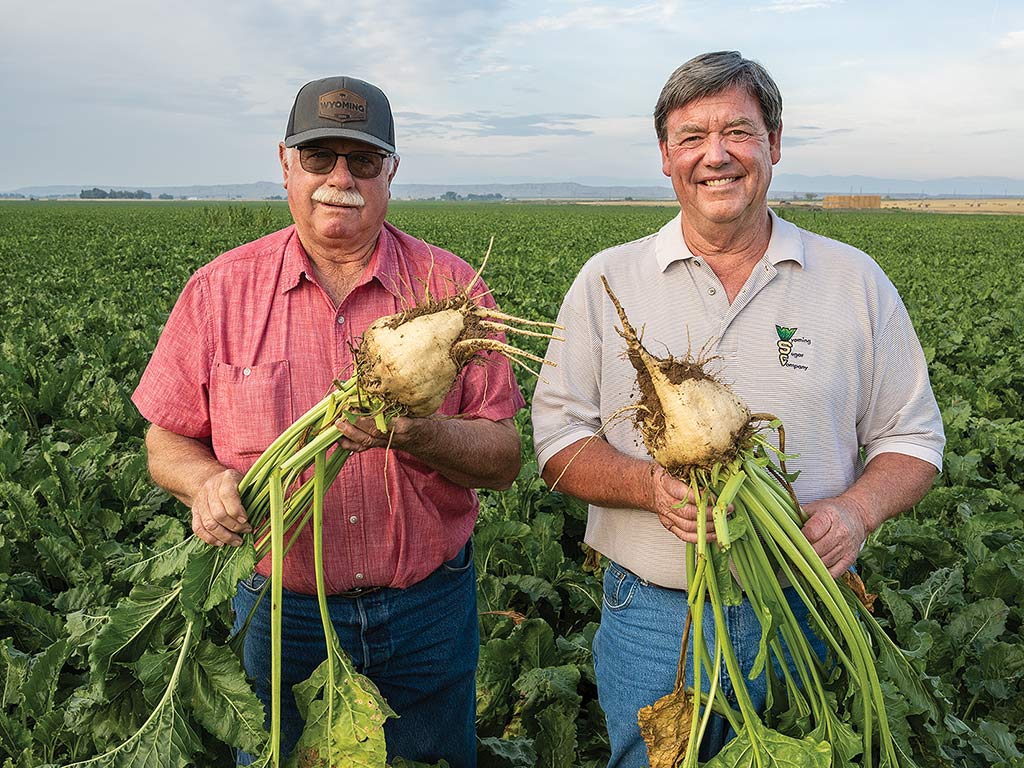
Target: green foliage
x=84 y=291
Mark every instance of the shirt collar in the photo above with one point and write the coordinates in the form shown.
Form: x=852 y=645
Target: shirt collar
x=295 y=264
x=383 y=265
x=785 y=243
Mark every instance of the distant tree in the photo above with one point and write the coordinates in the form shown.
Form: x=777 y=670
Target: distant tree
x=809 y=196
x=449 y=195
x=165 y=196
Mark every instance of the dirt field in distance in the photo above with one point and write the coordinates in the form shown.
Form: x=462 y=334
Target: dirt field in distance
x=1003 y=205
x=982 y=205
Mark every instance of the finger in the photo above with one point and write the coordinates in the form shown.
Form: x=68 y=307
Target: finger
x=817 y=527
x=832 y=555
x=234 y=515
x=842 y=566
x=212 y=532
x=685 y=529
x=214 y=520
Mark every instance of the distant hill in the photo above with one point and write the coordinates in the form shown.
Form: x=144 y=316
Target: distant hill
x=783 y=185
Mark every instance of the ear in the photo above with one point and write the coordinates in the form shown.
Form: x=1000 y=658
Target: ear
x=775 y=143
x=666 y=166
x=282 y=156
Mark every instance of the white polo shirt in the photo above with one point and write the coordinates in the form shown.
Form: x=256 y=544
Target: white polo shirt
x=817 y=336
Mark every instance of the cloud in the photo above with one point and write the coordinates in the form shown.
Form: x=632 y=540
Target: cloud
x=490 y=124
x=595 y=17
x=803 y=135
x=1012 y=41
x=797 y=6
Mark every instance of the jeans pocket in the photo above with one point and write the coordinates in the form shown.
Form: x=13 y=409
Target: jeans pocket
x=619 y=587
x=462 y=561
x=253 y=583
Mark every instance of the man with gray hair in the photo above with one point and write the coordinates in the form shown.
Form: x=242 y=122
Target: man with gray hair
x=852 y=391
x=256 y=338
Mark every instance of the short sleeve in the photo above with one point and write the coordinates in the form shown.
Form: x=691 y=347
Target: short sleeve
x=567 y=401
x=174 y=390
x=901 y=414
x=487 y=387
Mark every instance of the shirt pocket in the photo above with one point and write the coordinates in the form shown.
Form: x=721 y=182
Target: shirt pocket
x=250 y=405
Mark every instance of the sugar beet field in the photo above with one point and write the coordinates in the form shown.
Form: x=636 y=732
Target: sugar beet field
x=84 y=290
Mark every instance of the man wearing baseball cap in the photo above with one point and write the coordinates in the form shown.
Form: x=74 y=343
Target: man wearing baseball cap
x=255 y=339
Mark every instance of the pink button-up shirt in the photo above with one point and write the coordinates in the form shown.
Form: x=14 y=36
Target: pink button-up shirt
x=253 y=342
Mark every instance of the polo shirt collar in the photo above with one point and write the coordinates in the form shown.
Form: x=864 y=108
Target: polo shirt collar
x=785 y=243
x=383 y=263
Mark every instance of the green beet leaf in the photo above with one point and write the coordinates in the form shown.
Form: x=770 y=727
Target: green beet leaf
x=344 y=717
x=222 y=700
x=212 y=574
x=165 y=740
x=759 y=747
x=128 y=629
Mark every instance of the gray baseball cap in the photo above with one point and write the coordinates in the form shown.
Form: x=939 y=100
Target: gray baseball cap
x=342 y=108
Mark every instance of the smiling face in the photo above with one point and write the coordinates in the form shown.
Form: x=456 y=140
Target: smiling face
x=719 y=155
x=336 y=211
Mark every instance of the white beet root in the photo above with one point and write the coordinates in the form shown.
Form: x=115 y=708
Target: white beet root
x=410 y=360
x=687 y=418
x=412 y=363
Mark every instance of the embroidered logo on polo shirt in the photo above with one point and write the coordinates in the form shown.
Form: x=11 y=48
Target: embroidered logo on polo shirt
x=787 y=355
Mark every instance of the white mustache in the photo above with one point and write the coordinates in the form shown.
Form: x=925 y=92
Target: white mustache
x=332 y=196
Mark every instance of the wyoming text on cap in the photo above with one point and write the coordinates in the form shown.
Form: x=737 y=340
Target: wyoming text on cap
x=342 y=108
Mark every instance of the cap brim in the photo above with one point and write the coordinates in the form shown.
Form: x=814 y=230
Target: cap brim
x=336 y=133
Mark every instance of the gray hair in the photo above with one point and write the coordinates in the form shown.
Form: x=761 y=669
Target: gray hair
x=712 y=73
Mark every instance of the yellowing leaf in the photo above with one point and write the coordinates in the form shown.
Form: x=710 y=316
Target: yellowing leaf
x=665 y=726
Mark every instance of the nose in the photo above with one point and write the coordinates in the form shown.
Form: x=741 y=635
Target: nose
x=716 y=151
x=340 y=176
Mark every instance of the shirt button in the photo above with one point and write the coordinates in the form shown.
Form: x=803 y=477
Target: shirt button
x=341 y=320
x=696 y=263
x=353 y=519
x=246 y=371
x=360 y=577
x=711 y=291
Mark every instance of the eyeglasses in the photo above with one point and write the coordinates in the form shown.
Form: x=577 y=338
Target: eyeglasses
x=361 y=163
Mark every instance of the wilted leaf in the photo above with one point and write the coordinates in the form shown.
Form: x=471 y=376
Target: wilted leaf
x=665 y=726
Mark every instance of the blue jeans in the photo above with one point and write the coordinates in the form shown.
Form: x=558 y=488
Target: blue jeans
x=636 y=653
x=419 y=646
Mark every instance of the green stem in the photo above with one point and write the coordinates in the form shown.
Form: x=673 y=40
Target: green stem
x=276 y=596
x=321 y=589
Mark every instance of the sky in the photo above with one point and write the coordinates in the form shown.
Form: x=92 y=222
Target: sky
x=131 y=93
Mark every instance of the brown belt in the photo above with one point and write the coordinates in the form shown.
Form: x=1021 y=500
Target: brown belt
x=357 y=592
